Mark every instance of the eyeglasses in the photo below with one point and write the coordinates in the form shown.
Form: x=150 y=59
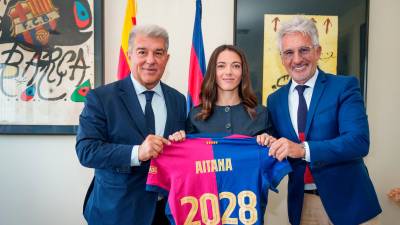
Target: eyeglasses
x=304 y=52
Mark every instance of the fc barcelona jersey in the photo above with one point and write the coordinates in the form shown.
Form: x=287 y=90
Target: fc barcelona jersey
x=215 y=180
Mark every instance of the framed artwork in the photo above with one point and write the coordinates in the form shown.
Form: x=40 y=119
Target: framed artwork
x=343 y=34
x=50 y=57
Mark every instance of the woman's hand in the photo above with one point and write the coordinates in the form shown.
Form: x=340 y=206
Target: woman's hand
x=178 y=136
x=265 y=139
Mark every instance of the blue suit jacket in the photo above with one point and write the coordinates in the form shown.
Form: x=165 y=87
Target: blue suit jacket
x=338 y=136
x=111 y=122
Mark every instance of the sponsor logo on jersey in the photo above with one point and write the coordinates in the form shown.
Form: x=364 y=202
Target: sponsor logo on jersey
x=153 y=170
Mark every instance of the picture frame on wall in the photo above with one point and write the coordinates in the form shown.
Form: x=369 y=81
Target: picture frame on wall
x=257 y=20
x=51 y=55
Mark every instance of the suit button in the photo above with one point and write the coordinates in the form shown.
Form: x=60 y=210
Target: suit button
x=227 y=109
x=228 y=126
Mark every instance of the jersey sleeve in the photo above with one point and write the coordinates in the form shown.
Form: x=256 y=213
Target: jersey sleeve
x=274 y=171
x=158 y=178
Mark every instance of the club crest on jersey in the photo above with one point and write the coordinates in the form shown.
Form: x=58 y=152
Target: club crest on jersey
x=153 y=170
x=33 y=21
x=213 y=165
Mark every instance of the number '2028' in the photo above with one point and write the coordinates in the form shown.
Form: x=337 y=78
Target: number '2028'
x=246 y=200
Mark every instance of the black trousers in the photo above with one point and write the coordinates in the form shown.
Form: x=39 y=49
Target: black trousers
x=159 y=216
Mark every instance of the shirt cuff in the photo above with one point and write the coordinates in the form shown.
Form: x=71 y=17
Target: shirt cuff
x=135 y=156
x=307 y=149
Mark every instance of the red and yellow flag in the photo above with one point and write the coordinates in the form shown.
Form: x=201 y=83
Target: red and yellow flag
x=129 y=22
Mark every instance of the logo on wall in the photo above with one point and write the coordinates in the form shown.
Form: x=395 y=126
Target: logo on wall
x=45 y=50
x=33 y=20
x=39 y=25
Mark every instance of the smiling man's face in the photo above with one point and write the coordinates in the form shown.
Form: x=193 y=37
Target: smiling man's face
x=148 y=58
x=299 y=56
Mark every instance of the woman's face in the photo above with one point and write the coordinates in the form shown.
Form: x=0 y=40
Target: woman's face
x=229 y=71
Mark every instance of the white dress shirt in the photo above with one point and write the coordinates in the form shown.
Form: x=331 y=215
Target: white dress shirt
x=159 y=109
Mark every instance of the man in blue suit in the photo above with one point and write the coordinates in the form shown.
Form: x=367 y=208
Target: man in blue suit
x=322 y=127
x=122 y=126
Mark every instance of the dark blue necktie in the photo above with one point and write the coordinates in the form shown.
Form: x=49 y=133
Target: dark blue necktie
x=149 y=113
x=301 y=127
x=301 y=112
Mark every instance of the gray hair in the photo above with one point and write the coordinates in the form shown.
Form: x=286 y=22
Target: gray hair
x=150 y=30
x=298 y=24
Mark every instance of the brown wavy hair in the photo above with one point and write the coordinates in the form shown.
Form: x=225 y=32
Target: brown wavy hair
x=208 y=94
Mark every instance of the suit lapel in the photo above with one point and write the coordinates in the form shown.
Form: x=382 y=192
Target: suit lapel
x=168 y=102
x=316 y=96
x=285 y=109
x=131 y=102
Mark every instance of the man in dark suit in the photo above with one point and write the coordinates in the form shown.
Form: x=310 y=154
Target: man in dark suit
x=122 y=126
x=322 y=127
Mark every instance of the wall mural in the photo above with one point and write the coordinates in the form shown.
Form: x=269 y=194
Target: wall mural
x=47 y=61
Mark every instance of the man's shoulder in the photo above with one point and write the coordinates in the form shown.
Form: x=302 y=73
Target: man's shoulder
x=340 y=78
x=276 y=94
x=108 y=87
x=105 y=90
x=340 y=82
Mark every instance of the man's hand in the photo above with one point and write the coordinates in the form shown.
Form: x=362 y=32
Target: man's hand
x=283 y=148
x=265 y=139
x=151 y=147
x=178 y=136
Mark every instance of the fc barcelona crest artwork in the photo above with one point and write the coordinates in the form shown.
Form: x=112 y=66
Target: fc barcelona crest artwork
x=41 y=25
x=47 y=60
x=32 y=21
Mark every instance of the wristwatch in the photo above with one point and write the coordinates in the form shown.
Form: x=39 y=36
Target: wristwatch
x=304 y=148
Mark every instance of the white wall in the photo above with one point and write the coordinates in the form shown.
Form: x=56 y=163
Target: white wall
x=383 y=104
x=177 y=17
x=43 y=183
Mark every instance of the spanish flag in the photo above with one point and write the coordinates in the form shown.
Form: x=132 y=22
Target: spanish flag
x=129 y=22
